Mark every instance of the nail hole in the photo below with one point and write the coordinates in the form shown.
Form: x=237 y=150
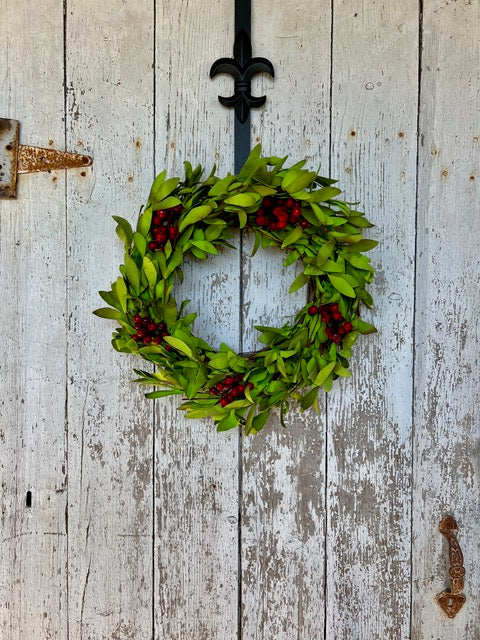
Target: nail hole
x=353 y=134
x=28 y=500
x=472 y=177
x=86 y=160
x=83 y=174
x=9 y=147
x=401 y=134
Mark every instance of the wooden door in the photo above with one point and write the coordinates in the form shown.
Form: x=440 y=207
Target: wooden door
x=139 y=524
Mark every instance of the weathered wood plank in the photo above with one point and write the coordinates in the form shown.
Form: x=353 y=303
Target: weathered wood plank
x=374 y=110
x=283 y=524
x=196 y=500
x=110 y=95
x=33 y=340
x=447 y=428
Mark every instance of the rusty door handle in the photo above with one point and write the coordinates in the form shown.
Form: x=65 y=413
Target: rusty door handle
x=451 y=600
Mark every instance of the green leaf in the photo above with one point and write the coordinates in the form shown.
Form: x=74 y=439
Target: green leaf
x=120 y=289
x=195 y=215
x=322 y=195
x=362 y=245
x=324 y=373
x=125 y=226
x=150 y=271
x=242 y=218
x=140 y=243
x=243 y=200
x=164 y=189
x=175 y=261
x=296 y=180
x=342 y=285
x=309 y=398
x=144 y=222
x=163 y=393
x=132 y=273
x=259 y=421
x=204 y=245
x=293 y=236
x=229 y=422
x=180 y=345
x=106 y=312
x=300 y=281
x=325 y=252
x=170 y=313
x=221 y=187
x=157 y=183
x=363 y=327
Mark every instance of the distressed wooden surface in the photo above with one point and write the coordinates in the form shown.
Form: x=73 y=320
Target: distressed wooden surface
x=282 y=488
x=110 y=443
x=196 y=472
x=145 y=525
x=33 y=550
x=446 y=473
x=374 y=98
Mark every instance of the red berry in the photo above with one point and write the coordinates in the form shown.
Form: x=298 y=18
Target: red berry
x=313 y=310
x=281 y=224
x=168 y=347
x=136 y=337
x=305 y=224
x=241 y=388
x=157 y=340
x=250 y=385
x=137 y=318
x=278 y=211
x=161 y=214
x=140 y=333
x=268 y=202
x=172 y=233
x=341 y=331
x=147 y=339
x=161 y=326
x=212 y=391
x=290 y=202
x=220 y=386
x=337 y=315
x=348 y=326
x=153 y=246
x=152 y=326
x=177 y=209
x=297 y=209
x=223 y=402
x=261 y=221
x=333 y=306
x=228 y=381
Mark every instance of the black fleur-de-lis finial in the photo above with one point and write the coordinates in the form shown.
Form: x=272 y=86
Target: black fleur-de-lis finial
x=242 y=67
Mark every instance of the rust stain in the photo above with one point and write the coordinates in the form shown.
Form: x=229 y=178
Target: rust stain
x=32 y=159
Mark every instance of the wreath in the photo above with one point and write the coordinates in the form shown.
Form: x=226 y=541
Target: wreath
x=290 y=208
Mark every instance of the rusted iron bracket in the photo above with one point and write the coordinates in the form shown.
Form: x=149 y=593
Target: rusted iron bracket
x=451 y=600
x=17 y=158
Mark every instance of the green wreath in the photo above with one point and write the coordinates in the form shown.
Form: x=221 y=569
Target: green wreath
x=291 y=208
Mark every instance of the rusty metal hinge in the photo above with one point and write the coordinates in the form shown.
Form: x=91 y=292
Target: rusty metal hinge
x=17 y=158
x=451 y=600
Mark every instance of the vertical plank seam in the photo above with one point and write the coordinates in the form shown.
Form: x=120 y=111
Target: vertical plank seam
x=154 y=412
x=415 y=278
x=67 y=327
x=325 y=489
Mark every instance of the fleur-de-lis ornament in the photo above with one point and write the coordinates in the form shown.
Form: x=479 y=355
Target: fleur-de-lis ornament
x=242 y=67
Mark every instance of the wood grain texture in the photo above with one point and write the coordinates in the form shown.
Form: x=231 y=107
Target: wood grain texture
x=283 y=523
x=110 y=116
x=33 y=340
x=374 y=110
x=447 y=381
x=196 y=469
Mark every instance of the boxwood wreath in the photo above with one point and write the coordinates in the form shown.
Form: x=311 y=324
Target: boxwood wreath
x=290 y=208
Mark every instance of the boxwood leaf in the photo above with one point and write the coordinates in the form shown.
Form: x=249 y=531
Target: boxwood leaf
x=194 y=215
x=342 y=285
x=180 y=345
x=106 y=312
x=324 y=373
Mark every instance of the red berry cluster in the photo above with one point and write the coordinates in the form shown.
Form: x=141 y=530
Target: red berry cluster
x=164 y=228
x=336 y=325
x=230 y=389
x=276 y=213
x=150 y=332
